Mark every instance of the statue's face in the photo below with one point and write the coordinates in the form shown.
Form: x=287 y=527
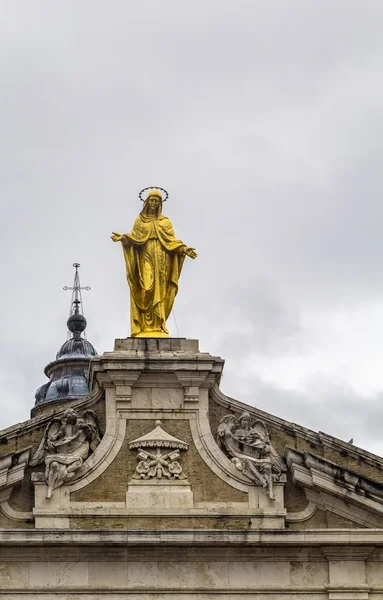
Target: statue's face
x=245 y=422
x=70 y=416
x=154 y=202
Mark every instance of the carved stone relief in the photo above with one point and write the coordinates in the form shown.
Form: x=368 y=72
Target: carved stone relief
x=67 y=443
x=249 y=447
x=155 y=463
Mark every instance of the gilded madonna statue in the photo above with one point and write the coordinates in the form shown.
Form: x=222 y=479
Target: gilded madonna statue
x=154 y=258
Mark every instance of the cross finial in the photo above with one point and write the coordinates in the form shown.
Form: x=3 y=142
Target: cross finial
x=76 y=305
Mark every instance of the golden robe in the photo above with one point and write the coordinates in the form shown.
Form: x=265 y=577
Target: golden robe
x=154 y=259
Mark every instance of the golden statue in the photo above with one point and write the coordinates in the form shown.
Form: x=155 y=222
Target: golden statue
x=154 y=259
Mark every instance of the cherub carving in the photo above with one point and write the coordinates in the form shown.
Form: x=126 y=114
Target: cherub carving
x=250 y=449
x=66 y=444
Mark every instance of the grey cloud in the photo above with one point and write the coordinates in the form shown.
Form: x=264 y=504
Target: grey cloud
x=337 y=410
x=252 y=318
x=262 y=119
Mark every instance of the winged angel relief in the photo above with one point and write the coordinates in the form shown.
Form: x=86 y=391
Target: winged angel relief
x=250 y=449
x=67 y=443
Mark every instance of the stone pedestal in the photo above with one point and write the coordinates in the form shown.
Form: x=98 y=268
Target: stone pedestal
x=159 y=494
x=151 y=374
x=48 y=513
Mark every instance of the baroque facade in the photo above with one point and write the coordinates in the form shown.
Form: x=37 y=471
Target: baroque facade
x=153 y=485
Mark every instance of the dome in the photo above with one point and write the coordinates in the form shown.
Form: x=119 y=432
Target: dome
x=68 y=374
x=76 y=348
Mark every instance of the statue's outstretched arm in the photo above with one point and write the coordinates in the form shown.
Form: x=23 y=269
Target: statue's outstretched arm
x=121 y=237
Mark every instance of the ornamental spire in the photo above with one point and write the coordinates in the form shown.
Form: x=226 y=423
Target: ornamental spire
x=76 y=305
x=68 y=374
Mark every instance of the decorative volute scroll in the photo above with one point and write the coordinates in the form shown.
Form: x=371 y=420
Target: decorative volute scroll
x=67 y=442
x=154 y=463
x=249 y=447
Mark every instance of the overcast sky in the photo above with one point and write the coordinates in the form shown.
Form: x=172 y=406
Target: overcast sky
x=263 y=120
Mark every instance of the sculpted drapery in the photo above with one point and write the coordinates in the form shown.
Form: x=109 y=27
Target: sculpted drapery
x=66 y=444
x=154 y=259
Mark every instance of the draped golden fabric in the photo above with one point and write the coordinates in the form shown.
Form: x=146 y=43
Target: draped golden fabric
x=154 y=259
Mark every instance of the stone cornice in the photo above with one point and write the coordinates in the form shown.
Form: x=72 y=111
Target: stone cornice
x=66 y=361
x=343 y=539
x=322 y=470
x=12 y=469
x=335 y=488
x=179 y=357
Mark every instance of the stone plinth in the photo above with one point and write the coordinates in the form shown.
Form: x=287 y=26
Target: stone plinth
x=159 y=494
x=173 y=367
x=154 y=345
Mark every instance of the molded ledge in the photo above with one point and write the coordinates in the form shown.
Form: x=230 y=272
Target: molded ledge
x=12 y=469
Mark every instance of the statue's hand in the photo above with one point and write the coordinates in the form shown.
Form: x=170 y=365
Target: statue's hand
x=116 y=237
x=191 y=253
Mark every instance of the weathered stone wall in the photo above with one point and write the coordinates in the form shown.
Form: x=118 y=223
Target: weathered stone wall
x=7 y=523
x=150 y=523
x=159 y=571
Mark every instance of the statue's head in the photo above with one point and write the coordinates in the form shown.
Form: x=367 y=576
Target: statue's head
x=153 y=203
x=70 y=416
x=154 y=199
x=244 y=420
